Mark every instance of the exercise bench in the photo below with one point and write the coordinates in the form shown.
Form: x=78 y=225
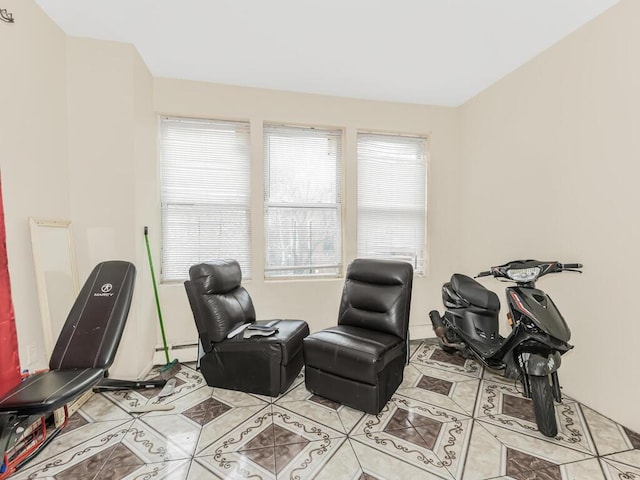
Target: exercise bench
x=80 y=359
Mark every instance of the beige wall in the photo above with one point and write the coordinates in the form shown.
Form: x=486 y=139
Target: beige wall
x=92 y=103
x=551 y=156
x=33 y=152
x=77 y=141
x=112 y=157
x=317 y=300
x=542 y=164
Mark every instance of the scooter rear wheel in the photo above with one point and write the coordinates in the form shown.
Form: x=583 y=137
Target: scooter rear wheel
x=542 y=397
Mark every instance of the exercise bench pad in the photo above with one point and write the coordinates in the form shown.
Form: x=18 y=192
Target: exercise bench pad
x=49 y=391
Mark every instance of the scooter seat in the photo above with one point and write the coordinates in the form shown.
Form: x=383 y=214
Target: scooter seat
x=474 y=292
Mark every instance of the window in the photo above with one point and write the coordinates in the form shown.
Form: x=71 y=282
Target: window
x=392 y=197
x=303 y=201
x=205 y=194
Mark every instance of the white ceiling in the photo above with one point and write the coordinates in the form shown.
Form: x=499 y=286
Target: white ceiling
x=438 y=52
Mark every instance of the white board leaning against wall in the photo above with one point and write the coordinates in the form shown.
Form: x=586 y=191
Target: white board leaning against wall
x=56 y=274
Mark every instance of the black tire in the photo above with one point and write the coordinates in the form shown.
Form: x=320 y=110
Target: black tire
x=542 y=397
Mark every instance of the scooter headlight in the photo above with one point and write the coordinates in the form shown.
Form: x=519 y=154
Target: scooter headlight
x=523 y=274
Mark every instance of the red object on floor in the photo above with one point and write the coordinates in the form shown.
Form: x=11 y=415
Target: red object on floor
x=9 y=359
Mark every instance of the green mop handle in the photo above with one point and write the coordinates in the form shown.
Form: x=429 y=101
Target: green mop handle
x=155 y=292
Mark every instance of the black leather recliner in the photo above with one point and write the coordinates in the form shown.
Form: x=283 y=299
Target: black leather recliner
x=360 y=362
x=262 y=365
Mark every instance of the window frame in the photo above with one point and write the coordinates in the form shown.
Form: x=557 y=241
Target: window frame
x=338 y=206
x=216 y=204
x=426 y=138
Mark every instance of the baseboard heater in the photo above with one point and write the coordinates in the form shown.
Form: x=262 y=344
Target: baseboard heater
x=188 y=352
x=184 y=352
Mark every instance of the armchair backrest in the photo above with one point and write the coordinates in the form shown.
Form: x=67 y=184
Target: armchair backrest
x=218 y=302
x=377 y=296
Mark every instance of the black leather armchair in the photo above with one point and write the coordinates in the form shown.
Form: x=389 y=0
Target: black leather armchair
x=360 y=362
x=263 y=365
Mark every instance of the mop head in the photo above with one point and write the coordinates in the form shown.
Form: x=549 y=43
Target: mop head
x=169 y=370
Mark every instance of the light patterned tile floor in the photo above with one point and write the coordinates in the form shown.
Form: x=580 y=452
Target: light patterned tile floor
x=450 y=419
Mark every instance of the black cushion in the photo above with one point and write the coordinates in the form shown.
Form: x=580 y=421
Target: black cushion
x=94 y=326
x=218 y=302
x=217 y=276
x=49 y=391
x=376 y=296
x=262 y=365
x=474 y=292
x=352 y=352
x=287 y=340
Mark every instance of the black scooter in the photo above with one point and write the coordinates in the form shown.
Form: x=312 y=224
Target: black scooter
x=539 y=336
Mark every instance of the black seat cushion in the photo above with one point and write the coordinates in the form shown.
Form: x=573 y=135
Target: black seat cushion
x=352 y=352
x=282 y=346
x=49 y=391
x=262 y=365
x=474 y=292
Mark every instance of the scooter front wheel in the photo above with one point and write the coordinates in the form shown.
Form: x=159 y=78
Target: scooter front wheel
x=542 y=397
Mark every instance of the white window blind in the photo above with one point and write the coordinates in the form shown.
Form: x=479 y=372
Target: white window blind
x=392 y=197
x=303 y=201
x=205 y=172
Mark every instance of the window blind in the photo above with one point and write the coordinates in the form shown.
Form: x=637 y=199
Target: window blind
x=303 y=201
x=205 y=194
x=392 y=197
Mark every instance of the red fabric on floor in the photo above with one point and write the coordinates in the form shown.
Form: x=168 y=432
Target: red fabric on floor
x=9 y=360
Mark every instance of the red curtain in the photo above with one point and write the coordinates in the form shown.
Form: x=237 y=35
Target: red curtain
x=9 y=360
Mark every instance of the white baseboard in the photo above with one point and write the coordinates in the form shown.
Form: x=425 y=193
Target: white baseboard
x=417 y=332
x=189 y=352
x=183 y=353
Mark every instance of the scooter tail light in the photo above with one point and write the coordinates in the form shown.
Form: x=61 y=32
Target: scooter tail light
x=520 y=306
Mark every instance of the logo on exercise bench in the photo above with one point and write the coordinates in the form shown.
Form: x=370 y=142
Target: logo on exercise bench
x=106 y=291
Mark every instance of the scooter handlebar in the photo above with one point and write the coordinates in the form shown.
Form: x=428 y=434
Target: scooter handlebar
x=571 y=265
x=556 y=268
